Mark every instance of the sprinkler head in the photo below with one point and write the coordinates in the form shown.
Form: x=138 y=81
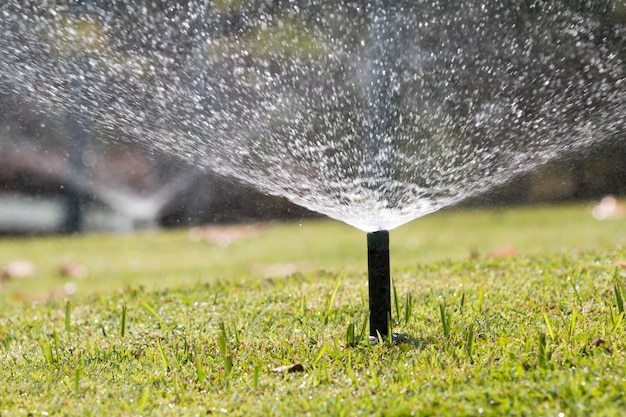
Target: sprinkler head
x=379 y=281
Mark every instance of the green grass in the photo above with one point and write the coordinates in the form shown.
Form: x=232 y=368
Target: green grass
x=163 y=325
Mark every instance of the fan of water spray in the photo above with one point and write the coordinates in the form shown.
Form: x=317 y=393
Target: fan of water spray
x=371 y=112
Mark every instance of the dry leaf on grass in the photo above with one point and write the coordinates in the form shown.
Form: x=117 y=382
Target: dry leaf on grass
x=277 y=270
x=17 y=269
x=223 y=235
x=289 y=369
x=597 y=341
x=45 y=296
x=73 y=270
x=507 y=251
x=619 y=263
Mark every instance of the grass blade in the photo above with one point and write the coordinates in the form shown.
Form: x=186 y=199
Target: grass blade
x=320 y=354
x=462 y=303
x=76 y=380
x=395 y=300
x=350 y=336
x=143 y=402
x=55 y=337
x=616 y=319
x=549 y=327
x=408 y=308
x=162 y=355
x=227 y=359
x=379 y=338
x=575 y=288
x=445 y=320
x=331 y=299
x=363 y=334
x=481 y=301
x=123 y=322
x=200 y=372
x=303 y=306
x=153 y=313
x=469 y=343
x=543 y=355
x=46 y=349
x=618 y=297
x=350 y=370
x=67 y=318
x=572 y=326
x=255 y=377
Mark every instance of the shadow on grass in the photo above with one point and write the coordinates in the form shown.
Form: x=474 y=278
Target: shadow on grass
x=418 y=343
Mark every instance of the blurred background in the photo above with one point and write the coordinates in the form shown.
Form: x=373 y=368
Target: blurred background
x=56 y=177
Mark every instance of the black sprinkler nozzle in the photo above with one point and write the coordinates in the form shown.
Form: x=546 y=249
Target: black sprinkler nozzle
x=379 y=282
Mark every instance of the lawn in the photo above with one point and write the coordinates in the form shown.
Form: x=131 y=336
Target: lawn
x=510 y=311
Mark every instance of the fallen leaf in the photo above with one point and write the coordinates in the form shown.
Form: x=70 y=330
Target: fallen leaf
x=41 y=296
x=289 y=369
x=619 y=263
x=18 y=269
x=507 y=251
x=223 y=235
x=277 y=270
x=597 y=341
x=73 y=270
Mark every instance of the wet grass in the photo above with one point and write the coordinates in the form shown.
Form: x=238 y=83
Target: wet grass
x=163 y=325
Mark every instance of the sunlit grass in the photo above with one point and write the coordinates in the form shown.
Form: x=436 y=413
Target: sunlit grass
x=163 y=325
